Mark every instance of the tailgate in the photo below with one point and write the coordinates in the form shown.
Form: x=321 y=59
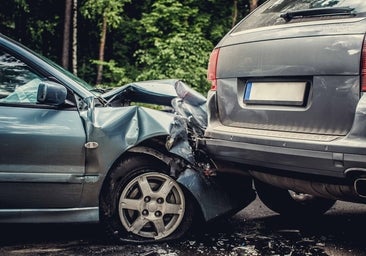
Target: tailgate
x=305 y=84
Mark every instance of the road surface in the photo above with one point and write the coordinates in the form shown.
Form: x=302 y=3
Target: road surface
x=253 y=231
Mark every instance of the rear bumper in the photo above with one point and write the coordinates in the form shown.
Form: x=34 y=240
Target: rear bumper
x=315 y=158
x=289 y=154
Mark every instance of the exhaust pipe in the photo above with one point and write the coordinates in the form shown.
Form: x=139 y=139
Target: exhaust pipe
x=360 y=187
x=354 y=191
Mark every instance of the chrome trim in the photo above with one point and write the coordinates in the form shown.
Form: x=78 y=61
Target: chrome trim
x=355 y=170
x=356 y=187
x=47 y=178
x=66 y=215
x=91 y=145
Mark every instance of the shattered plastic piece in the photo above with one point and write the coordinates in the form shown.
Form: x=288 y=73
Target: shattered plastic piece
x=192 y=242
x=188 y=94
x=152 y=253
x=208 y=171
x=248 y=250
x=177 y=141
x=162 y=251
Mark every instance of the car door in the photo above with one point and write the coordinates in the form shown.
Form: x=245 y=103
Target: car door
x=41 y=147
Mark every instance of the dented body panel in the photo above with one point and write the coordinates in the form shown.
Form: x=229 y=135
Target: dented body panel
x=217 y=196
x=55 y=158
x=115 y=130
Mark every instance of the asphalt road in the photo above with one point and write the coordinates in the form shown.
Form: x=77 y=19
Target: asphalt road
x=253 y=231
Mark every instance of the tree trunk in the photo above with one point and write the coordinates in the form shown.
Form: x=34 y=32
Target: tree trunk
x=253 y=4
x=235 y=13
x=66 y=40
x=74 y=37
x=101 y=49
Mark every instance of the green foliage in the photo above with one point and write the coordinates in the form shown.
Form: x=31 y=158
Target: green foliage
x=147 y=39
x=98 y=9
x=168 y=16
x=114 y=74
x=28 y=22
x=8 y=18
x=182 y=56
x=175 y=45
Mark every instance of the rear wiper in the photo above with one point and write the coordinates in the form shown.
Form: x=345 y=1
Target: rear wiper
x=329 y=11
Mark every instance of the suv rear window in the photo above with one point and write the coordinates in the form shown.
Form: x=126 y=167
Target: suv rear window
x=270 y=13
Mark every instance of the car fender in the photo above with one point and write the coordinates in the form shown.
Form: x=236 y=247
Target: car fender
x=113 y=131
x=219 y=195
x=215 y=196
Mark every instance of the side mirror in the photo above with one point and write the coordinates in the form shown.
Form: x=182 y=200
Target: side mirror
x=51 y=93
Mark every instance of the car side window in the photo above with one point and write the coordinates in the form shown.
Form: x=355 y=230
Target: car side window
x=18 y=83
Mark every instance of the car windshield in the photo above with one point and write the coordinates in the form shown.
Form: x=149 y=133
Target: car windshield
x=276 y=12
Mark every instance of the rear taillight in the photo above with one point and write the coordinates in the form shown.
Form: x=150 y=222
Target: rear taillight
x=363 y=67
x=211 y=70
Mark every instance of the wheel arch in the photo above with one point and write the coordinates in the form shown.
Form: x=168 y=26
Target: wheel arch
x=212 y=196
x=114 y=177
x=154 y=148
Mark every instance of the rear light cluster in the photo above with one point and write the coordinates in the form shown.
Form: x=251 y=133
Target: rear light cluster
x=212 y=68
x=363 y=67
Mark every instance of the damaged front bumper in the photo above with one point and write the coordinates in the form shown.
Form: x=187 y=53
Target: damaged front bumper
x=217 y=193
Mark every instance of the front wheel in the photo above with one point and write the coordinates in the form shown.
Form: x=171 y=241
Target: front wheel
x=140 y=202
x=290 y=203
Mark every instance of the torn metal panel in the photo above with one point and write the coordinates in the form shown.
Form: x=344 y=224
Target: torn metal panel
x=191 y=105
x=177 y=141
x=218 y=195
x=188 y=94
x=160 y=92
x=116 y=130
x=190 y=117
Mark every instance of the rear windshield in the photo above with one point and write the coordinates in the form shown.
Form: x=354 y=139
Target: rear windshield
x=270 y=13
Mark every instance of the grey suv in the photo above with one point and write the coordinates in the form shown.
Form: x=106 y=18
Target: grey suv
x=288 y=105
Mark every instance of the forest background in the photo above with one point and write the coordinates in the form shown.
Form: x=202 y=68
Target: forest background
x=109 y=43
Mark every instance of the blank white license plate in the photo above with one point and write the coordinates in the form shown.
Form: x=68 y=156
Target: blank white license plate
x=275 y=93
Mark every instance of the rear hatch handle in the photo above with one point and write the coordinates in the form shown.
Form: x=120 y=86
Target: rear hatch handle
x=315 y=12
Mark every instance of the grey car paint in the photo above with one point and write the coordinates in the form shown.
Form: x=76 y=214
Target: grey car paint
x=285 y=57
x=321 y=140
x=54 y=159
x=47 y=138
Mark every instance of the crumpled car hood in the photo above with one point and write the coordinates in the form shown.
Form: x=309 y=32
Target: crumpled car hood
x=160 y=92
x=186 y=107
x=120 y=126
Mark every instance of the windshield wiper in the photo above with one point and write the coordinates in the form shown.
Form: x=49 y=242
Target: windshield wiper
x=329 y=11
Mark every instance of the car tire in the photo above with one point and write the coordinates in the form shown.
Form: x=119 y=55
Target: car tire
x=289 y=203
x=140 y=202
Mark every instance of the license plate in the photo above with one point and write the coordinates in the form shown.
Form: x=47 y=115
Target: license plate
x=275 y=93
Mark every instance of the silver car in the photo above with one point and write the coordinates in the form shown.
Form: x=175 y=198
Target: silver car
x=71 y=153
x=288 y=102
